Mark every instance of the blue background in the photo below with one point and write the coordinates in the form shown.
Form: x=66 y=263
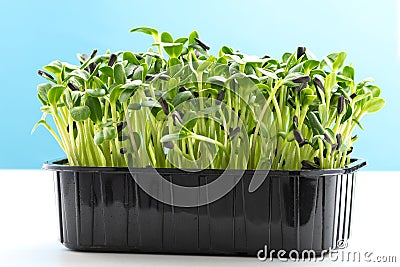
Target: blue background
x=33 y=33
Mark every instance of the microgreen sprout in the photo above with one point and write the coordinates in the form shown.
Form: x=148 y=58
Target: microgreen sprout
x=182 y=107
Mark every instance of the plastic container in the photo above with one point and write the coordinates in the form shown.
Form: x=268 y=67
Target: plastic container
x=104 y=209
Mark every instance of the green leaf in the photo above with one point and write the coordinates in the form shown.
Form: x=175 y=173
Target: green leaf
x=309 y=65
x=99 y=137
x=375 y=90
x=130 y=57
x=43 y=90
x=268 y=73
x=166 y=37
x=108 y=71
x=119 y=73
x=54 y=67
x=173 y=50
x=343 y=148
x=37 y=124
x=125 y=95
x=323 y=113
x=374 y=104
x=174 y=65
x=225 y=50
x=109 y=133
x=193 y=34
x=80 y=113
x=138 y=74
x=151 y=103
x=83 y=74
x=146 y=30
x=207 y=63
x=210 y=110
x=95 y=92
x=358 y=123
x=173 y=137
x=134 y=106
x=136 y=138
x=54 y=94
x=181 y=97
x=115 y=93
x=181 y=40
x=132 y=85
x=348 y=72
x=76 y=98
x=217 y=80
x=190 y=120
x=97 y=82
x=330 y=82
x=96 y=111
x=315 y=123
x=347 y=115
x=339 y=61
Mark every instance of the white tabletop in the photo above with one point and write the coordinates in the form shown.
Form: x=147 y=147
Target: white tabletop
x=29 y=227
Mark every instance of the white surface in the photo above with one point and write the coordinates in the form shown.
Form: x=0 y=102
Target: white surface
x=29 y=227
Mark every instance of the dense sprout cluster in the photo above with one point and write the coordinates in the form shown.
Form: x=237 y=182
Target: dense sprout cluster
x=179 y=106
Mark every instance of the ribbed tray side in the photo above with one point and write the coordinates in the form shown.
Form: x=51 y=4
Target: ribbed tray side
x=106 y=211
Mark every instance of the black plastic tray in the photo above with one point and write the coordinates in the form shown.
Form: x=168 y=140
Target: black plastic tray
x=104 y=209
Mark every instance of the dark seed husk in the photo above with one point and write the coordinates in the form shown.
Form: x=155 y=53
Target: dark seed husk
x=149 y=77
x=200 y=43
x=349 y=151
x=169 y=145
x=334 y=147
x=196 y=94
x=72 y=86
x=298 y=137
x=139 y=57
x=93 y=53
x=84 y=57
x=309 y=165
x=318 y=83
x=73 y=126
x=121 y=125
x=340 y=104
x=177 y=118
x=164 y=105
x=302 y=79
x=266 y=56
x=233 y=132
x=295 y=121
x=301 y=87
x=182 y=89
x=317 y=161
x=45 y=74
x=300 y=51
x=133 y=72
x=327 y=138
x=92 y=67
x=122 y=137
x=339 y=140
x=112 y=60
x=220 y=97
x=353 y=95
x=123 y=150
